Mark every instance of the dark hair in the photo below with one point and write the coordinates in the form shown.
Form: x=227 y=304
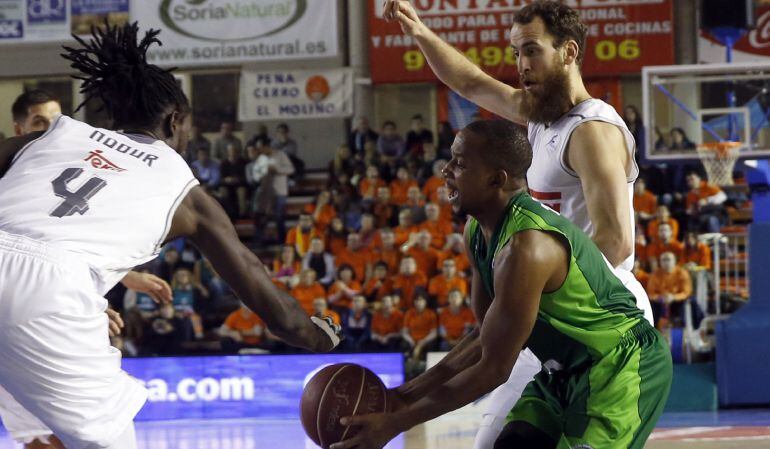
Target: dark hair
x=561 y=21
x=381 y=264
x=389 y=123
x=20 y=108
x=417 y=117
x=638 y=120
x=507 y=146
x=283 y=127
x=344 y=267
x=114 y=69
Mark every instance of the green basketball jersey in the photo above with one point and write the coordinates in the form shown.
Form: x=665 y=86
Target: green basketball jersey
x=587 y=316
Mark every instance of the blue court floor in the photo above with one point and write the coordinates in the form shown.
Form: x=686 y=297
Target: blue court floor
x=748 y=429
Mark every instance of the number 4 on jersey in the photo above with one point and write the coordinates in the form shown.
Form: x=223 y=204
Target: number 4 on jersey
x=76 y=201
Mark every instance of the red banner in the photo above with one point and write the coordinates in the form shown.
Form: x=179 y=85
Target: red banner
x=623 y=36
x=753 y=46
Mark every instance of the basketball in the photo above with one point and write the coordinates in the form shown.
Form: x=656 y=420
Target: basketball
x=337 y=391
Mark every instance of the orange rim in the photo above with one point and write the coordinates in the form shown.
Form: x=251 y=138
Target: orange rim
x=721 y=149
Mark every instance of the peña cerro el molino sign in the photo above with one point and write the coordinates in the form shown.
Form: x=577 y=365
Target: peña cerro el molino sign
x=232 y=20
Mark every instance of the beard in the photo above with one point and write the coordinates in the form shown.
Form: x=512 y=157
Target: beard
x=551 y=101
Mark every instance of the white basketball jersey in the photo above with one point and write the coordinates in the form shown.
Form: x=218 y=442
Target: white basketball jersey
x=106 y=196
x=558 y=186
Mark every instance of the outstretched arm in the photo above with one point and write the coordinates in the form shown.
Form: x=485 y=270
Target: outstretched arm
x=200 y=218
x=454 y=69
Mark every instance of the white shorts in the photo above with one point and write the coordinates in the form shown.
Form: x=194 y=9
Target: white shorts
x=57 y=361
x=22 y=425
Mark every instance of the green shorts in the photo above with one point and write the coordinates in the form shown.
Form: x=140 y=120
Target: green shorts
x=615 y=403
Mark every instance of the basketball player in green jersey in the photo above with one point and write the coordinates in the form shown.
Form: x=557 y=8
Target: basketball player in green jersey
x=538 y=281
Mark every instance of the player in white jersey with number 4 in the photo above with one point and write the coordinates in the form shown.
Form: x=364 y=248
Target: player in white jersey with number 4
x=79 y=208
x=583 y=162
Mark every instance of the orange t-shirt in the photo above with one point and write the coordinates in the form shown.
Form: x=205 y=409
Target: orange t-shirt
x=704 y=191
x=420 y=324
x=640 y=252
x=358 y=259
x=430 y=189
x=440 y=287
x=643 y=277
x=427 y=259
x=371 y=240
x=306 y=295
x=382 y=214
x=652 y=228
x=382 y=325
x=408 y=285
x=461 y=260
x=455 y=326
x=677 y=283
x=647 y=202
x=654 y=250
x=392 y=257
x=302 y=247
x=438 y=230
x=445 y=212
x=325 y=217
x=238 y=322
x=344 y=300
x=402 y=234
x=399 y=190
x=700 y=255
x=373 y=292
x=368 y=188
x=336 y=244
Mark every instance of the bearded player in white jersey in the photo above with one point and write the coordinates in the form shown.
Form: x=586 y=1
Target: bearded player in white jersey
x=81 y=206
x=583 y=163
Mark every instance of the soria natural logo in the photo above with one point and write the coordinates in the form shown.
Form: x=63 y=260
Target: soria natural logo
x=230 y=20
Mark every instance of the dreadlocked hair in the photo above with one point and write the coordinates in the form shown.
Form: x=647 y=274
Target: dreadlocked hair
x=113 y=67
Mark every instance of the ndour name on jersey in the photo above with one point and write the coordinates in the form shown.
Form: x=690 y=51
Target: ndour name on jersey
x=120 y=147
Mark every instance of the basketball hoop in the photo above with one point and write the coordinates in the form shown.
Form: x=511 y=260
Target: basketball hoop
x=719 y=159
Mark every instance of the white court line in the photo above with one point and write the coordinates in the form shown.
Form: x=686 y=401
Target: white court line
x=684 y=431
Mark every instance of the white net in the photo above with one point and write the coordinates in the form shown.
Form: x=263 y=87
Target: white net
x=719 y=160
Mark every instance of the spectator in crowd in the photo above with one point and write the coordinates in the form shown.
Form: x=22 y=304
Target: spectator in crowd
x=346 y=287
x=420 y=328
x=663 y=215
x=441 y=285
x=389 y=252
x=386 y=326
x=418 y=246
x=322 y=211
x=633 y=121
x=299 y=237
x=308 y=290
x=34 y=110
x=168 y=263
x=336 y=237
x=438 y=229
x=430 y=189
x=343 y=162
x=321 y=309
x=704 y=204
x=424 y=165
x=226 y=138
x=399 y=187
x=272 y=193
x=640 y=247
x=356 y=325
x=390 y=144
x=455 y=250
x=418 y=137
x=286 y=265
x=187 y=297
x=261 y=134
x=165 y=333
x=641 y=275
x=416 y=203
x=368 y=187
x=455 y=321
x=370 y=235
x=383 y=208
x=242 y=329
x=204 y=274
x=669 y=286
x=696 y=253
x=380 y=284
x=405 y=228
x=355 y=255
x=409 y=282
x=233 y=184
x=371 y=156
x=197 y=142
x=446 y=214
x=645 y=202
x=680 y=141
x=666 y=242
x=360 y=135
x=320 y=261
x=446 y=137
x=206 y=170
x=285 y=143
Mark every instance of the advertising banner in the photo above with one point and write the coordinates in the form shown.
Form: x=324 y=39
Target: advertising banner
x=88 y=13
x=623 y=36
x=753 y=46
x=260 y=386
x=295 y=94
x=210 y=32
x=34 y=20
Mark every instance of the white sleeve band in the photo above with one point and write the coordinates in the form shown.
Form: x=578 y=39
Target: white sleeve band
x=326 y=328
